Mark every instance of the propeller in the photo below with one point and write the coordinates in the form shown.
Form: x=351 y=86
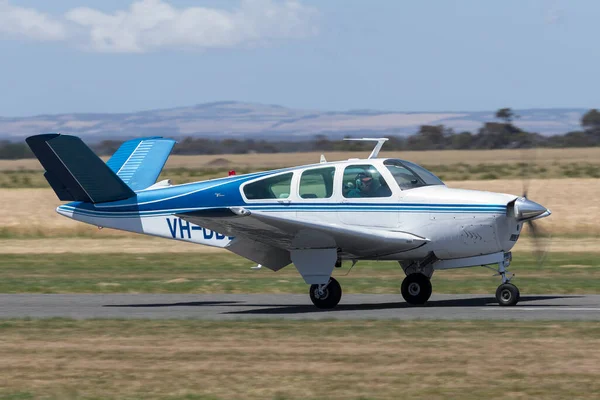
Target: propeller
x=539 y=246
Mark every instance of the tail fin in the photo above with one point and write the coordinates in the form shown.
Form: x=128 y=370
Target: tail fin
x=138 y=162
x=75 y=172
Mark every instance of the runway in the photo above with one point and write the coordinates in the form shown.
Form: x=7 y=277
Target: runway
x=284 y=306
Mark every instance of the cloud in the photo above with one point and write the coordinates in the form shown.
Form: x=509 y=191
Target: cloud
x=151 y=25
x=28 y=23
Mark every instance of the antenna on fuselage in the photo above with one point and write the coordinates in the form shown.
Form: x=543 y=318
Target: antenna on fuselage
x=380 y=142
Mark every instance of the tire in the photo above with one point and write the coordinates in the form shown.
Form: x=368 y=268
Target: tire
x=507 y=295
x=331 y=295
x=416 y=289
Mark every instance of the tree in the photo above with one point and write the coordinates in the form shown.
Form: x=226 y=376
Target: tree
x=494 y=135
x=591 y=120
x=506 y=114
x=461 y=141
x=321 y=142
x=13 y=151
x=429 y=137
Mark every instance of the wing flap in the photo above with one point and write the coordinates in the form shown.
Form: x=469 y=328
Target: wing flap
x=271 y=257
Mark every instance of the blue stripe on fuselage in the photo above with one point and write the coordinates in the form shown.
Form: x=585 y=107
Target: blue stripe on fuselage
x=413 y=208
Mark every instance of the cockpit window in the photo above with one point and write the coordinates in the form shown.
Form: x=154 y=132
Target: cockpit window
x=409 y=175
x=364 y=180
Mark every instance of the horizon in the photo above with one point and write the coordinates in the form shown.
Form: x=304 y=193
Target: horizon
x=343 y=111
x=232 y=119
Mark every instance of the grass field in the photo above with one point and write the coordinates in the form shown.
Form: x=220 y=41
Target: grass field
x=442 y=157
x=30 y=212
x=448 y=164
x=145 y=244
x=228 y=273
x=42 y=252
x=189 y=360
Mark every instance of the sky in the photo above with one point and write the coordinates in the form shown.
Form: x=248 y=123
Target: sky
x=108 y=56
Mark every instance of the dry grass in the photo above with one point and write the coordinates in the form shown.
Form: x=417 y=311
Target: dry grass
x=448 y=164
x=31 y=212
x=133 y=244
x=299 y=360
x=574 y=204
x=540 y=156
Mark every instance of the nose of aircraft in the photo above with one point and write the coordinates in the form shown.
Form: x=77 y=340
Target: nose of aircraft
x=526 y=209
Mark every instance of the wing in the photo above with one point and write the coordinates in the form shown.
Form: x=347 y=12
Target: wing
x=284 y=233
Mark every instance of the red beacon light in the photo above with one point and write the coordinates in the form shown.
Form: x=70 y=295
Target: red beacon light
x=232 y=172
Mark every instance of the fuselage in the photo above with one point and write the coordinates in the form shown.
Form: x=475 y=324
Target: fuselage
x=458 y=223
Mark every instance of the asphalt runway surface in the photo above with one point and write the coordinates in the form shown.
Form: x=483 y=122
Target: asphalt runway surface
x=283 y=306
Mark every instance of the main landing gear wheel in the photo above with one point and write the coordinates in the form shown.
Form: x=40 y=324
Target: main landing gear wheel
x=326 y=296
x=507 y=294
x=416 y=289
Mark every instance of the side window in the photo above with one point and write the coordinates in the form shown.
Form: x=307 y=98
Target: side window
x=364 y=181
x=317 y=183
x=275 y=187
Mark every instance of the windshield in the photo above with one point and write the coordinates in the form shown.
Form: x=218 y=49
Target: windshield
x=409 y=175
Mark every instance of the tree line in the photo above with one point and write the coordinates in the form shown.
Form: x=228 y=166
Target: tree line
x=492 y=135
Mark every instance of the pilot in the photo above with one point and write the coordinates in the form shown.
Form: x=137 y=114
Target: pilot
x=364 y=186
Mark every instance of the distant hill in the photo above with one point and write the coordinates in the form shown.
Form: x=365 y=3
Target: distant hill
x=235 y=119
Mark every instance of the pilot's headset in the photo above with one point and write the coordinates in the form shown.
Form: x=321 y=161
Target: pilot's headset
x=363 y=179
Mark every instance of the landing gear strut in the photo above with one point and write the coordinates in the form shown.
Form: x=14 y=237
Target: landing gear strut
x=416 y=289
x=507 y=294
x=326 y=296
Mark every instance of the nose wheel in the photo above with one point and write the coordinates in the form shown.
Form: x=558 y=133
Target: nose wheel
x=416 y=289
x=507 y=294
x=326 y=296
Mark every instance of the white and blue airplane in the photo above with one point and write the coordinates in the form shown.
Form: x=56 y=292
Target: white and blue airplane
x=312 y=216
